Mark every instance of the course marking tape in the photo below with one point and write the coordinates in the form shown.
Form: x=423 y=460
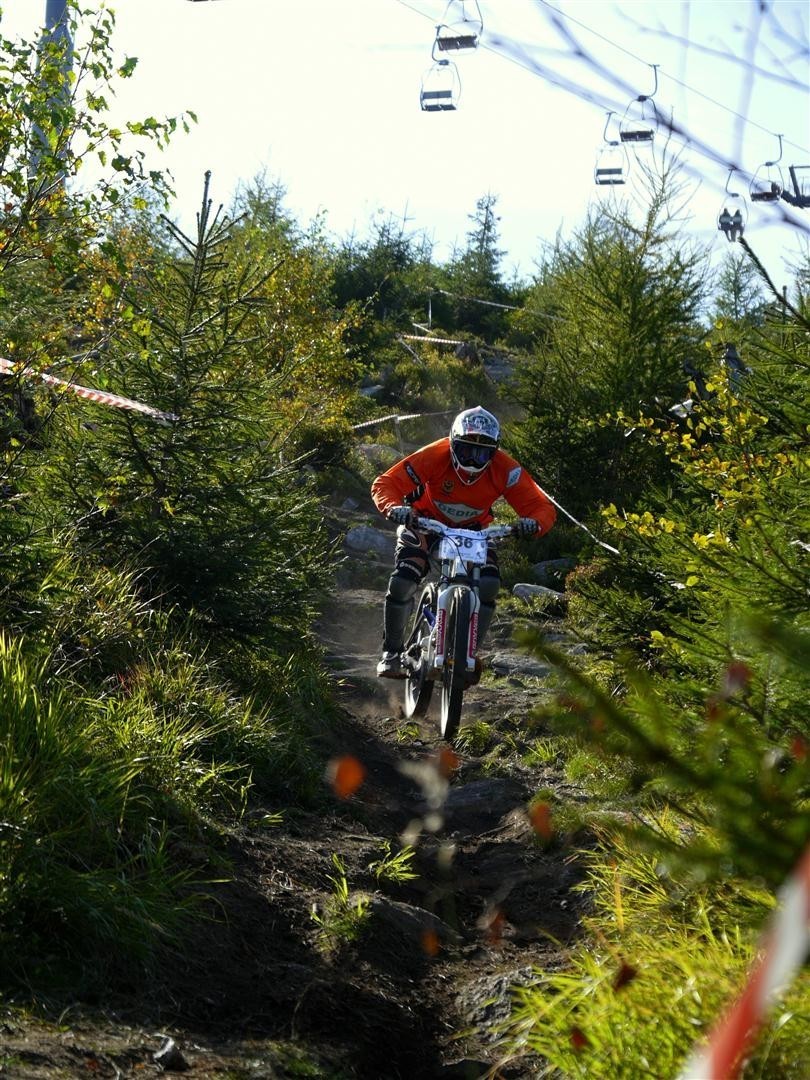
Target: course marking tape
x=596 y=540
x=436 y=340
x=782 y=951
x=397 y=417
x=7 y=367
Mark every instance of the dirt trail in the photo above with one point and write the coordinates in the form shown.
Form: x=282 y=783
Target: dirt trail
x=416 y=994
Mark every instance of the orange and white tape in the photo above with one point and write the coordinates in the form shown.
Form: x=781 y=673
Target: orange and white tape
x=7 y=367
x=782 y=951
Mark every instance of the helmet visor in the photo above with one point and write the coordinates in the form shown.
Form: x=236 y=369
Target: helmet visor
x=473 y=455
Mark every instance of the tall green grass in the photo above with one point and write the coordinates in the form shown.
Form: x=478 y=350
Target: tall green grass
x=84 y=862
x=96 y=790
x=657 y=966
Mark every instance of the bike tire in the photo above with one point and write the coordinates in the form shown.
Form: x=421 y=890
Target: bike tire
x=418 y=687
x=454 y=674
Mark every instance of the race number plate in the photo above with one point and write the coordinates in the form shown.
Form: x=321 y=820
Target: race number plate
x=464 y=544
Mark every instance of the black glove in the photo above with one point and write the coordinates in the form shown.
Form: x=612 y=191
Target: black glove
x=526 y=527
x=400 y=515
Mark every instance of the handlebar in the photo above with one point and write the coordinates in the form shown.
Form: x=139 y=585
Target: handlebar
x=491 y=532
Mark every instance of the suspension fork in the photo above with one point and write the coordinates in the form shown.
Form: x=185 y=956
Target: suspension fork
x=442 y=606
x=472 y=630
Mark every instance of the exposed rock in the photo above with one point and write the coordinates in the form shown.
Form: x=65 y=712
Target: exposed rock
x=411 y=922
x=466 y=350
x=380 y=455
x=489 y=999
x=499 y=368
x=526 y=591
x=514 y=664
x=482 y=803
x=365 y=538
x=170 y=1057
x=372 y=391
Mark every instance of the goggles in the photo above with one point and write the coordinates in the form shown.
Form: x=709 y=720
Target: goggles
x=473 y=455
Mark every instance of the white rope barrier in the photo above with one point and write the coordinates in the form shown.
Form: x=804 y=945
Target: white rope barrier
x=397 y=418
x=434 y=340
x=596 y=540
x=476 y=300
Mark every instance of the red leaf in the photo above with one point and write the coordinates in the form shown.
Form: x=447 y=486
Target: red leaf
x=346 y=774
x=714 y=708
x=540 y=817
x=494 y=922
x=737 y=676
x=624 y=975
x=448 y=762
x=430 y=942
x=579 y=1040
x=799 y=748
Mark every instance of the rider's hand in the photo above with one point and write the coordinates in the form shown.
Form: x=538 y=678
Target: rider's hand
x=526 y=527
x=400 y=515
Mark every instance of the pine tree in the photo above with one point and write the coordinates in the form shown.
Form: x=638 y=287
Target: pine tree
x=611 y=324
x=210 y=504
x=473 y=278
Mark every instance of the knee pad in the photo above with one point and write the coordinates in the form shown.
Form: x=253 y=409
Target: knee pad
x=489 y=586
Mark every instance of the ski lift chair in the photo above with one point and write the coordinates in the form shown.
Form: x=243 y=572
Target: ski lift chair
x=800 y=179
x=733 y=216
x=463 y=31
x=640 y=129
x=610 y=162
x=767 y=183
x=609 y=169
x=441 y=87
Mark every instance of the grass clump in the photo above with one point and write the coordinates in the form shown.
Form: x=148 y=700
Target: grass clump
x=601 y=776
x=85 y=864
x=659 y=962
x=394 y=866
x=343 y=917
x=106 y=793
x=475 y=738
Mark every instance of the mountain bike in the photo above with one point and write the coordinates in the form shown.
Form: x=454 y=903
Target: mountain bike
x=443 y=641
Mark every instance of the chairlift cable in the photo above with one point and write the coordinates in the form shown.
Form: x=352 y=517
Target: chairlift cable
x=586 y=95
x=680 y=135
x=672 y=78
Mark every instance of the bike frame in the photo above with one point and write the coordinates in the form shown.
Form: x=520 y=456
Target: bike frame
x=443 y=642
x=457 y=571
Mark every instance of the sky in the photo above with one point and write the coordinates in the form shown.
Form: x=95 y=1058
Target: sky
x=323 y=96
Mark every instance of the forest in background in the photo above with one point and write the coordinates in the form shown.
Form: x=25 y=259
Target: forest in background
x=160 y=580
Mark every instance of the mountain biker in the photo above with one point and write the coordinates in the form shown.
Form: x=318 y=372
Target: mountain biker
x=455 y=480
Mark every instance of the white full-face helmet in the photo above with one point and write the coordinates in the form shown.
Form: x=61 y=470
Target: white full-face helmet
x=474 y=438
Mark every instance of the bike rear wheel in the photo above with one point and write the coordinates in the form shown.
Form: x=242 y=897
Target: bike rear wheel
x=454 y=673
x=418 y=687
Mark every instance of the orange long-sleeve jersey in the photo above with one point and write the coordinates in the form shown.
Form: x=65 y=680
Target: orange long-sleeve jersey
x=427 y=481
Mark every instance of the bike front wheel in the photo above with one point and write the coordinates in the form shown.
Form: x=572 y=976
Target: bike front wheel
x=417 y=654
x=454 y=673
